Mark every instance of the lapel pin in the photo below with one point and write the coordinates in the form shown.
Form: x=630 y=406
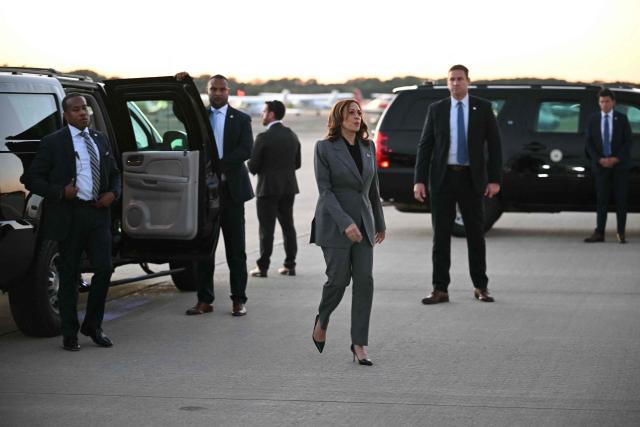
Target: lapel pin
x=474 y=108
x=368 y=155
x=231 y=116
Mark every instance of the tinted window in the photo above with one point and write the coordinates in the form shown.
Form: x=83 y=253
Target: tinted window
x=496 y=106
x=633 y=114
x=408 y=111
x=156 y=126
x=26 y=117
x=558 y=116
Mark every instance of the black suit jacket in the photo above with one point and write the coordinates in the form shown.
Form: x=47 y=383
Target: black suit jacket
x=54 y=167
x=620 y=140
x=482 y=136
x=238 y=141
x=275 y=158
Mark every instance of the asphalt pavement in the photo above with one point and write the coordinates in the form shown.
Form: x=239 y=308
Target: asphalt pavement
x=559 y=347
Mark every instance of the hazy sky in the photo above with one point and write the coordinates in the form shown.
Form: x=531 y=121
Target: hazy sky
x=330 y=40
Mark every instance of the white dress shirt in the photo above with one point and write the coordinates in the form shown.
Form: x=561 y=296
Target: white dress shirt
x=453 y=126
x=84 y=179
x=217 y=124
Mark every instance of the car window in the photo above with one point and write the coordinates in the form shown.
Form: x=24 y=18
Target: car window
x=496 y=106
x=558 y=116
x=26 y=116
x=633 y=114
x=156 y=127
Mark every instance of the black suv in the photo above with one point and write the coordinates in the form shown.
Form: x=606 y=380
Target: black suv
x=543 y=143
x=169 y=206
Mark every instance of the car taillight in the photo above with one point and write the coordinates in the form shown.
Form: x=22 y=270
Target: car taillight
x=382 y=150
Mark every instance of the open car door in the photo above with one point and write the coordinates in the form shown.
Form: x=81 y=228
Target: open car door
x=170 y=201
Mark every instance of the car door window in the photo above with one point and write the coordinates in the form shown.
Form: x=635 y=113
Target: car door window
x=633 y=114
x=156 y=125
x=26 y=116
x=496 y=106
x=558 y=117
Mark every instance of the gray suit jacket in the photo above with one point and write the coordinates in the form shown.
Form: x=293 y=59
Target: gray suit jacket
x=345 y=196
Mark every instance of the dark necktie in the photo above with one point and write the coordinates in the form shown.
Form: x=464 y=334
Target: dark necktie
x=606 y=138
x=95 y=164
x=462 y=137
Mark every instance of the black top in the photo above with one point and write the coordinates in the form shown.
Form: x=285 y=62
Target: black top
x=354 y=150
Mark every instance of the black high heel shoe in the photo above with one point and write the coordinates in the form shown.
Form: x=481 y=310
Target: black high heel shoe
x=365 y=362
x=319 y=344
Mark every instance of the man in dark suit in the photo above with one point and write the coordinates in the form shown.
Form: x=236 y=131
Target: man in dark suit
x=451 y=157
x=275 y=158
x=76 y=173
x=234 y=141
x=608 y=146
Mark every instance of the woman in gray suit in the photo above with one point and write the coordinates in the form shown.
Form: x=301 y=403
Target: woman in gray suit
x=348 y=221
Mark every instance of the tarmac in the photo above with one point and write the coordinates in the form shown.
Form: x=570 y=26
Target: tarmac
x=559 y=347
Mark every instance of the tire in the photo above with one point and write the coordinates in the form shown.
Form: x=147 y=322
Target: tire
x=492 y=212
x=185 y=280
x=34 y=303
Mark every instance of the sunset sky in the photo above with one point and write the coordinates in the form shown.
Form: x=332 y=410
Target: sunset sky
x=329 y=40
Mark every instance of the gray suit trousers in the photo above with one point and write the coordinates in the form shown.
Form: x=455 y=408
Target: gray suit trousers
x=343 y=265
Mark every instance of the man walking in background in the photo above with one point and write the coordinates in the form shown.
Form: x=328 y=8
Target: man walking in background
x=275 y=158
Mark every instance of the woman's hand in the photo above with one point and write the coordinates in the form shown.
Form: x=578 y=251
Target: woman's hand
x=353 y=233
x=380 y=237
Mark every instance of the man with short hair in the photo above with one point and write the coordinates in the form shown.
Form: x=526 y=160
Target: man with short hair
x=608 y=146
x=234 y=140
x=76 y=173
x=451 y=156
x=275 y=158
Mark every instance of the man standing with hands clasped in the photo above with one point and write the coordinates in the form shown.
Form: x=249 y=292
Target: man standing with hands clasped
x=275 y=158
x=76 y=173
x=234 y=140
x=451 y=158
x=609 y=148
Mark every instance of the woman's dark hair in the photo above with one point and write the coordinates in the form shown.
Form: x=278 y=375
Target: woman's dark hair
x=336 y=117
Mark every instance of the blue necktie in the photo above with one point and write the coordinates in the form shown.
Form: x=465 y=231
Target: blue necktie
x=606 y=139
x=462 y=137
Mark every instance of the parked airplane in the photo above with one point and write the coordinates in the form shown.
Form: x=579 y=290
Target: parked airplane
x=253 y=104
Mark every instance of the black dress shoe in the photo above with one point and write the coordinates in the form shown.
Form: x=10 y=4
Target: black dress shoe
x=256 y=272
x=286 y=271
x=436 y=297
x=482 y=295
x=595 y=237
x=97 y=336
x=70 y=343
x=621 y=238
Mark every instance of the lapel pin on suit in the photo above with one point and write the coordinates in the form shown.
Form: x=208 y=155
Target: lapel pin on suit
x=368 y=154
x=231 y=116
x=474 y=108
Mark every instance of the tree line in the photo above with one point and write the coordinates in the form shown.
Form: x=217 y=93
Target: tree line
x=366 y=85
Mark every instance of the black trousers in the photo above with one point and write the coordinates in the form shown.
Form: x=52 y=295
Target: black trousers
x=269 y=209
x=458 y=188
x=232 y=225
x=606 y=178
x=91 y=233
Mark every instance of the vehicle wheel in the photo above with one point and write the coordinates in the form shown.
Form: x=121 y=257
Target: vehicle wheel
x=186 y=279
x=492 y=211
x=34 y=303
